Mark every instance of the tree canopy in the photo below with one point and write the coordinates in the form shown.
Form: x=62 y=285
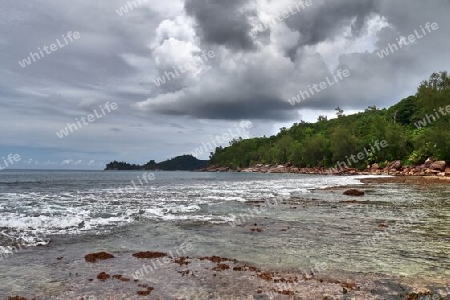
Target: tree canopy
x=415 y=128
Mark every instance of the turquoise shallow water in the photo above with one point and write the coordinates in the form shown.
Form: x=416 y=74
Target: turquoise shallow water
x=401 y=231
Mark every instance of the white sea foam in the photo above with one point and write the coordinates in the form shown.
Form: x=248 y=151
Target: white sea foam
x=24 y=213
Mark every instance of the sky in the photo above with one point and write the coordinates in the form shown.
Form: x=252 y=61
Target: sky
x=226 y=60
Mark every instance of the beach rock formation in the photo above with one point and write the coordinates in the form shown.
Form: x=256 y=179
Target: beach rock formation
x=149 y=254
x=354 y=192
x=94 y=257
x=430 y=167
x=438 y=165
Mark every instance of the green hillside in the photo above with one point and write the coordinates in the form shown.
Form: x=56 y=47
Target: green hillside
x=415 y=128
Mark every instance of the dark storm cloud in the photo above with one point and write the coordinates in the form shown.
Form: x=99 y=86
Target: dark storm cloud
x=222 y=22
x=327 y=18
x=227 y=108
x=374 y=81
x=252 y=76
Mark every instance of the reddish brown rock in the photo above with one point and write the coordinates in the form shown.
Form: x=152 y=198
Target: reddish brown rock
x=103 y=276
x=266 y=275
x=286 y=292
x=354 y=192
x=16 y=298
x=94 y=257
x=349 y=285
x=221 y=267
x=214 y=259
x=145 y=292
x=149 y=254
x=375 y=167
x=438 y=165
x=181 y=261
x=447 y=171
x=429 y=161
x=394 y=166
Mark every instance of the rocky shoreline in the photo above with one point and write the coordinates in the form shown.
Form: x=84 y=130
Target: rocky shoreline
x=214 y=277
x=430 y=167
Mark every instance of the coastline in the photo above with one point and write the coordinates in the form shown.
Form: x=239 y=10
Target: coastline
x=430 y=169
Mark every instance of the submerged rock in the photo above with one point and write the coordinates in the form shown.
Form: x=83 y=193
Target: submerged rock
x=149 y=254
x=354 y=192
x=93 y=257
x=103 y=276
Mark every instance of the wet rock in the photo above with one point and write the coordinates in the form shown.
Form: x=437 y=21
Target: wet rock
x=94 y=257
x=429 y=161
x=214 y=259
x=181 y=261
x=438 y=165
x=221 y=267
x=266 y=275
x=285 y=292
x=103 y=276
x=447 y=171
x=395 y=165
x=349 y=285
x=149 y=254
x=145 y=292
x=375 y=167
x=354 y=192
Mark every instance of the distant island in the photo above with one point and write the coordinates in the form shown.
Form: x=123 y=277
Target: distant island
x=179 y=163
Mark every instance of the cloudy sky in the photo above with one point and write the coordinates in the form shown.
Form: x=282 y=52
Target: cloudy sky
x=250 y=74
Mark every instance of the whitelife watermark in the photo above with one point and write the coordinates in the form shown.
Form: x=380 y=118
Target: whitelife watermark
x=402 y=41
x=132 y=187
x=317 y=88
x=9 y=161
x=89 y=118
x=181 y=251
x=224 y=138
x=360 y=156
x=124 y=9
x=191 y=65
x=53 y=47
x=7 y=251
x=274 y=19
x=289 y=286
x=432 y=118
x=380 y=235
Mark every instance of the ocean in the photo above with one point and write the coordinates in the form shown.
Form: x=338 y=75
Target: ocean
x=276 y=221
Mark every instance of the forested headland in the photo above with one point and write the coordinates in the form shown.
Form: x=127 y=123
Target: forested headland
x=415 y=128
